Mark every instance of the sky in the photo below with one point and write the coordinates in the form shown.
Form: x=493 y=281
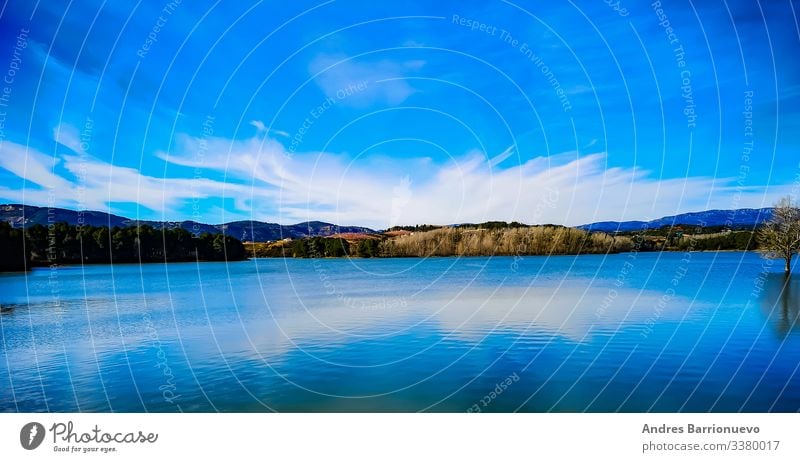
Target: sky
x=396 y=113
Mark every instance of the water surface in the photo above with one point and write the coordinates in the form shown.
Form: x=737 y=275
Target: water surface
x=629 y=332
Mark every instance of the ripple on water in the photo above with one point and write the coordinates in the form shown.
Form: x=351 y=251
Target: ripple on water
x=405 y=334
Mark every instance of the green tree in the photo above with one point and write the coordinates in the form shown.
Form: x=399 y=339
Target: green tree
x=12 y=249
x=63 y=243
x=300 y=249
x=368 y=248
x=335 y=247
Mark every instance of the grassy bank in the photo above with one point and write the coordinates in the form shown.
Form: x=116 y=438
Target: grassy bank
x=448 y=241
x=503 y=239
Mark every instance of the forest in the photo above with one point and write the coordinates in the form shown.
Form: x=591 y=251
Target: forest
x=316 y=247
x=62 y=243
x=694 y=238
x=501 y=238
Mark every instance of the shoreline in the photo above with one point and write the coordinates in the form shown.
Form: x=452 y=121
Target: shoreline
x=348 y=257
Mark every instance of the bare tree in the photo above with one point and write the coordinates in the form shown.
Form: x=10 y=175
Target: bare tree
x=780 y=236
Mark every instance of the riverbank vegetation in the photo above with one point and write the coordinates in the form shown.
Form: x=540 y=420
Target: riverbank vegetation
x=362 y=245
x=499 y=238
x=65 y=244
x=465 y=240
x=496 y=240
x=12 y=248
x=693 y=238
x=61 y=243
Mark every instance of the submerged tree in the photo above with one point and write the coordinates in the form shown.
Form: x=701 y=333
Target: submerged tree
x=780 y=236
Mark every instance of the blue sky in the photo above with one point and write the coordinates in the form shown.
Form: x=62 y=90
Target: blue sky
x=380 y=114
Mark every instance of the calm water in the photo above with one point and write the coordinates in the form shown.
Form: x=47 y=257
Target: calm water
x=646 y=332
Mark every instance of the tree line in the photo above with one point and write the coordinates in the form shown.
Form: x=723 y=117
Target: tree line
x=500 y=238
x=316 y=247
x=532 y=240
x=732 y=240
x=62 y=243
x=695 y=240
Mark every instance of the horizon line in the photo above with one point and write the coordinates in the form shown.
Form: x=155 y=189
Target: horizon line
x=375 y=229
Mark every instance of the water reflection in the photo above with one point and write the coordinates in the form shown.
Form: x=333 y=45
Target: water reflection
x=781 y=302
x=406 y=335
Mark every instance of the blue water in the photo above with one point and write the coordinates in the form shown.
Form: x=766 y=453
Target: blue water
x=628 y=332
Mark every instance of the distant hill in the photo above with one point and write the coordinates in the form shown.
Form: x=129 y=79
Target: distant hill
x=259 y=231
x=243 y=230
x=736 y=219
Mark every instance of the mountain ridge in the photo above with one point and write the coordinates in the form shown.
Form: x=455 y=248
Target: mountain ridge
x=734 y=218
x=23 y=216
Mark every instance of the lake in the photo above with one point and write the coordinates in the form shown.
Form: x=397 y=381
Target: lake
x=627 y=332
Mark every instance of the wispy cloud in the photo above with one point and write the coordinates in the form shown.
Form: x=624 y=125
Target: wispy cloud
x=85 y=182
x=267 y=182
x=262 y=128
x=564 y=189
x=362 y=82
x=259 y=126
x=68 y=136
x=33 y=166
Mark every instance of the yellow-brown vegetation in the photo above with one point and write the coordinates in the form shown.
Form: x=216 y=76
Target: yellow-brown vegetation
x=537 y=240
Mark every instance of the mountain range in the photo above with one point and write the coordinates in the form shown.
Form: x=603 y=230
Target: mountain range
x=23 y=216
x=735 y=219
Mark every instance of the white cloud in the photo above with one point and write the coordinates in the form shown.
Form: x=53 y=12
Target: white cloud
x=268 y=183
x=89 y=183
x=68 y=136
x=262 y=128
x=259 y=126
x=564 y=189
x=361 y=83
x=32 y=165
